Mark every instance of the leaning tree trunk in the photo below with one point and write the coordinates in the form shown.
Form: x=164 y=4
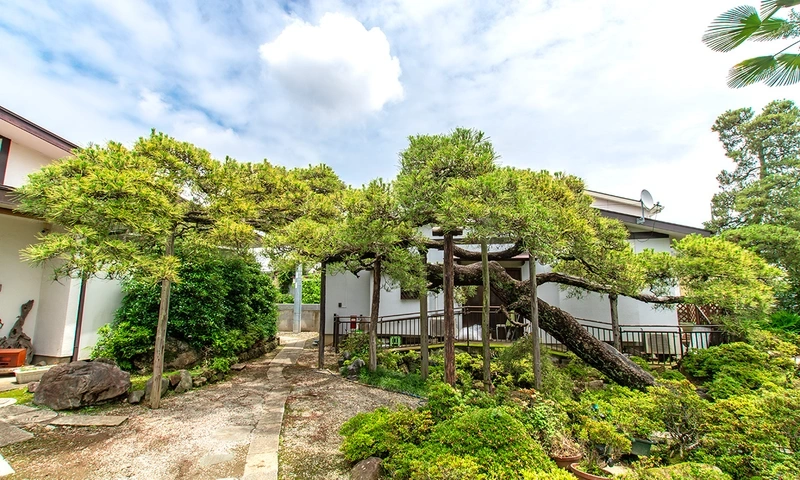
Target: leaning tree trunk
x=373 y=317
x=558 y=323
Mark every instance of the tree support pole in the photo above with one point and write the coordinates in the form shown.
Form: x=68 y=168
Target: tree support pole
x=615 y=331
x=161 y=331
x=449 y=313
x=423 y=333
x=298 y=299
x=535 y=340
x=322 y=301
x=373 y=318
x=487 y=367
x=79 y=320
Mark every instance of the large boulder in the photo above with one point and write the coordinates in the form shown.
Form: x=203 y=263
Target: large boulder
x=178 y=355
x=78 y=384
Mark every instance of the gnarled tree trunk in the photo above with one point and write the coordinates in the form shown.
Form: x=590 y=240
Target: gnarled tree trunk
x=558 y=323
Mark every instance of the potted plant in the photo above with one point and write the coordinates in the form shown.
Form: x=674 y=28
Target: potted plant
x=564 y=450
x=580 y=471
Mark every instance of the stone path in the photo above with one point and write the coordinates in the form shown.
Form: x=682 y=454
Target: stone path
x=262 y=456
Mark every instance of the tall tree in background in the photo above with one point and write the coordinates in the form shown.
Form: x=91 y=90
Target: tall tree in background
x=759 y=203
x=737 y=25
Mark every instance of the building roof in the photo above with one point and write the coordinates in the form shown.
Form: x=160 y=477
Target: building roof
x=26 y=125
x=656 y=225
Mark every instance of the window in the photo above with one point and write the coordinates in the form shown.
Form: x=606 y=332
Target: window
x=5 y=146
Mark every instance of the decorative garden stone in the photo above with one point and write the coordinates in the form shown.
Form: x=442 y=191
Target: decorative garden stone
x=78 y=384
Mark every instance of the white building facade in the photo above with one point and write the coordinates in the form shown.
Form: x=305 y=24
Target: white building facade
x=25 y=148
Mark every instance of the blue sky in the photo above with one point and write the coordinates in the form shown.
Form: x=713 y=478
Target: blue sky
x=582 y=86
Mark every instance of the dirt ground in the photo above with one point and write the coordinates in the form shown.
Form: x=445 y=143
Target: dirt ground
x=315 y=410
x=205 y=433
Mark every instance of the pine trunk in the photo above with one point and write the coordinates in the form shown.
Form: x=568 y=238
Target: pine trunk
x=373 y=317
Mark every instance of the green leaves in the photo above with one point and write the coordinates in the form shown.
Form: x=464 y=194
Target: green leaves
x=743 y=23
x=732 y=28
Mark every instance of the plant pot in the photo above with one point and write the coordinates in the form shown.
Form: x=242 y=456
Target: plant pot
x=30 y=375
x=565 y=462
x=641 y=447
x=573 y=467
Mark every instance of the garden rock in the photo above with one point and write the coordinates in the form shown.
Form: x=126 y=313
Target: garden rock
x=149 y=387
x=199 y=381
x=355 y=367
x=238 y=367
x=135 y=396
x=32 y=387
x=595 y=384
x=78 y=384
x=184 y=381
x=177 y=355
x=368 y=469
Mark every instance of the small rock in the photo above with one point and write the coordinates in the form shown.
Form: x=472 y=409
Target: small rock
x=595 y=384
x=199 y=381
x=355 y=367
x=135 y=396
x=346 y=355
x=41 y=364
x=32 y=387
x=184 y=381
x=149 y=387
x=368 y=469
x=238 y=367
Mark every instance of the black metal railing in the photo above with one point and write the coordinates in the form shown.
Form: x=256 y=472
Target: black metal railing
x=655 y=343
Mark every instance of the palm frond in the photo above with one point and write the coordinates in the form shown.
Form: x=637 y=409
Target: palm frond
x=786 y=71
x=750 y=71
x=732 y=28
x=769 y=7
x=774 y=29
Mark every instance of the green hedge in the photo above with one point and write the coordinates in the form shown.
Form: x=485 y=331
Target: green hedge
x=222 y=306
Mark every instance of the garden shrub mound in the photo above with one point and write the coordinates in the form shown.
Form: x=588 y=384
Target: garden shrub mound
x=222 y=306
x=448 y=439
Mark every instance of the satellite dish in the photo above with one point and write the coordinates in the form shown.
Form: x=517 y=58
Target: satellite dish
x=647 y=200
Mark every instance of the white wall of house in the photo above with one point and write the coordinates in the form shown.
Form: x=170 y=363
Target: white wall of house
x=19 y=282
x=22 y=161
x=103 y=298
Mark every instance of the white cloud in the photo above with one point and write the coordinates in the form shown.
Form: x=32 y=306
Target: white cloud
x=151 y=106
x=337 y=66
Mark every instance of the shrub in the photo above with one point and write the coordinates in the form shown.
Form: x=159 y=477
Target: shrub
x=222 y=306
x=784 y=321
x=443 y=400
x=357 y=343
x=394 y=381
x=382 y=431
x=752 y=435
x=680 y=471
x=682 y=412
x=706 y=363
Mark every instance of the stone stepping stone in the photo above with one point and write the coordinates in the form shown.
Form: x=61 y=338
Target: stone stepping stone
x=39 y=416
x=5 y=468
x=215 y=458
x=89 y=420
x=14 y=410
x=10 y=434
x=4 y=402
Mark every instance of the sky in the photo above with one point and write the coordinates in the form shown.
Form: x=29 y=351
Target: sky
x=621 y=93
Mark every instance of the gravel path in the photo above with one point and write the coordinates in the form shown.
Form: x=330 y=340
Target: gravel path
x=205 y=433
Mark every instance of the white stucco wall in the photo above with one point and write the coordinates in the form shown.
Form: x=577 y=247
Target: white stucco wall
x=51 y=323
x=23 y=161
x=20 y=282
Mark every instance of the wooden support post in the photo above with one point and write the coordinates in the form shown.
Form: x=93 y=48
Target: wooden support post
x=535 y=340
x=615 y=332
x=79 y=320
x=449 y=313
x=487 y=366
x=161 y=331
x=373 y=318
x=322 y=300
x=423 y=333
